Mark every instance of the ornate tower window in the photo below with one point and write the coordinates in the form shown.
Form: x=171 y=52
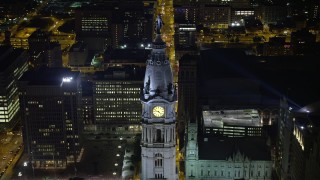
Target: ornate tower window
x=159 y=136
x=158 y=160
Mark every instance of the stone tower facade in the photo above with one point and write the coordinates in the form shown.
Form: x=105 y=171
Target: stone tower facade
x=158 y=97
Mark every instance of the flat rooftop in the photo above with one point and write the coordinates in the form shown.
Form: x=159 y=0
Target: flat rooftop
x=243 y=117
x=48 y=76
x=273 y=77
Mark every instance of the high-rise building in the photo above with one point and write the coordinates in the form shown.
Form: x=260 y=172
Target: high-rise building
x=113 y=24
x=158 y=141
x=50 y=103
x=187 y=97
x=13 y=65
x=116 y=94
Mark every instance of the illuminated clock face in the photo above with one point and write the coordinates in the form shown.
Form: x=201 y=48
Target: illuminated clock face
x=158 y=111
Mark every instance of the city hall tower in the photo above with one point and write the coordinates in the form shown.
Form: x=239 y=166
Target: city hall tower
x=158 y=97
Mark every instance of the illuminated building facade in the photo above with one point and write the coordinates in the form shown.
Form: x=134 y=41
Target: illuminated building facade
x=158 y=98
x=238 y=14
x=298 y=142
x=92 y=20
x=13 y=65
x=226 y=158
x=50 y=102
x=116 y=95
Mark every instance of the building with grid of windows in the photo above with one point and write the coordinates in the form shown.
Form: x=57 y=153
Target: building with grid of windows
x=116 y=98
x=50 y=103
x=13 y=65
x=114 y=24
x=215 y=16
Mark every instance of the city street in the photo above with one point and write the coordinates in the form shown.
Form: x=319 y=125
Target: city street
x=10 y=151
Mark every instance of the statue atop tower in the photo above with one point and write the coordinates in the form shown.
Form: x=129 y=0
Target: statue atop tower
x=159 y=24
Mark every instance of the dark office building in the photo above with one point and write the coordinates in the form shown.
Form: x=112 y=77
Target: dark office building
x=187 y=13
x=54 y=55
x=303 y=42
x=43 y=51
x=13 y=63
x=78 y=54
x=50 y=102
x=38 y=41
x=187 y=97
x=272 y=13
x=277 y=46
